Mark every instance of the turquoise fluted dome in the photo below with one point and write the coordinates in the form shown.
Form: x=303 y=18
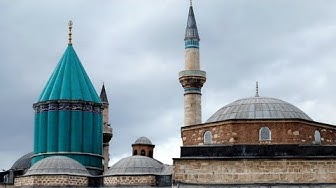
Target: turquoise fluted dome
x=69 y=81
x=68 y=116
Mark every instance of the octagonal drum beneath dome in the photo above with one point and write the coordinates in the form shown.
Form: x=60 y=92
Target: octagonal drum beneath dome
x=258 y=108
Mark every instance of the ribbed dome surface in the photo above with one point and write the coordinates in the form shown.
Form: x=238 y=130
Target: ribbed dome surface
x=143 y=140
x=258 y=108
x=23 y=162
x=136 y=165
x=58 y=165
x=69 y=81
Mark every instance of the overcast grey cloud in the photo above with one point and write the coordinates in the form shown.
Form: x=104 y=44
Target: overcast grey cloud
x=136 y=48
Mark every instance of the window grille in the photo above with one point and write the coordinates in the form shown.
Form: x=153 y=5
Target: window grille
x=264 y=134
x=207 y=137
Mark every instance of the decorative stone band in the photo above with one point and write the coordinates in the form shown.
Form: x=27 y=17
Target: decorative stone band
x=258 y=151
x=60 y=105
x=191 y=43
x=195 y=90
x=68 y=153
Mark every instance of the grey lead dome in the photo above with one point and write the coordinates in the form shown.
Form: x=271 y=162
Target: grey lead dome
x=23 y=163
x=58 y=165
x=258 y=108
x=137 y=165
x=143 y=140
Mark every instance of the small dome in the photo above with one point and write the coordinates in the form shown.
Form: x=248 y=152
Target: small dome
x=143 y=140
x=23 y=162
x=258 y=108
x=58 y=165
x=136 y=165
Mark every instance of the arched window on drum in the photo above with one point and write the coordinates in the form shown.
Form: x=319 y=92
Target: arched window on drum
x=207 y=138
x=265 y=134
x=317 y=137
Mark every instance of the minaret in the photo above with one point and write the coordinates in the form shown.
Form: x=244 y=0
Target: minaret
x=192 y=78
x=107 y=129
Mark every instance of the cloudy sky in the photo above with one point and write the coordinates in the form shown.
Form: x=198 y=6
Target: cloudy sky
x=136 y=48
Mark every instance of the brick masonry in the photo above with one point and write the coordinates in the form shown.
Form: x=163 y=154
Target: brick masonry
x=130 y=180
x=247 y=132
x=52 y=180
x=249 y=171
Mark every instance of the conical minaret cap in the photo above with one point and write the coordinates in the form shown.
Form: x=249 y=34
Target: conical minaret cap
x=191 y=30
x=103 y=96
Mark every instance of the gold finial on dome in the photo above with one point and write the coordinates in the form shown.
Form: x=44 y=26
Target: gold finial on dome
x=257 y=90
x=70 y=31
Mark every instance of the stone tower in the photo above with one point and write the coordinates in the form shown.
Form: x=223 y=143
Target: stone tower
x=107 y=129
x=192 y=78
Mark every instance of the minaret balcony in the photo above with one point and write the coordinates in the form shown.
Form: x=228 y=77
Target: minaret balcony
x=192 y=73
x=192 y=78
x=107 y=133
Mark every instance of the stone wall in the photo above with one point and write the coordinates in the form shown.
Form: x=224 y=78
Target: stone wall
x=247 y=132
x=6 y=186
x=249 y=171
x=51 y=180
x=129 y=180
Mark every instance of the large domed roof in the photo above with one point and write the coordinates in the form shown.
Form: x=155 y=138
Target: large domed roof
x=58 y=165
x=136 y=165
x=258 y=108
x=23 y=162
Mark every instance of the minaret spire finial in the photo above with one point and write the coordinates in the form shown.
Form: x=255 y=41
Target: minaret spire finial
x=70 y=32
x=191 y=3
x=257 y=90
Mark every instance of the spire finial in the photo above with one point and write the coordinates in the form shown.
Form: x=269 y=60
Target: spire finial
x=70 y=32
x=191 y=3
x=257 y=90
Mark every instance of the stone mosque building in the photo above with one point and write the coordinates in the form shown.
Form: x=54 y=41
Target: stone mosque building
x=251 y=142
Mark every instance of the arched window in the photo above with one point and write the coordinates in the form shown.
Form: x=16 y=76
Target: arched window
x=317 y=137
x=143 y=153
x=207 y=137
x=135 y=152
x=150 y=154
x=264 y=134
